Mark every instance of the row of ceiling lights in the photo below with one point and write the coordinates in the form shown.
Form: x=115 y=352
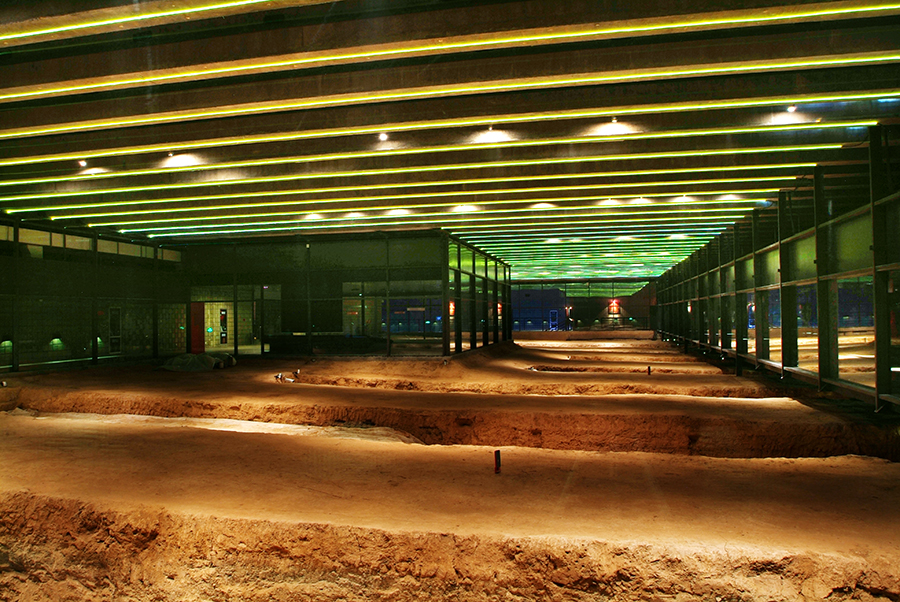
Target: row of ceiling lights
x=492 y=136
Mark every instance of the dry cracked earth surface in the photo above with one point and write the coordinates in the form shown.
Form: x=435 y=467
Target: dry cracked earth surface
x=374 y=479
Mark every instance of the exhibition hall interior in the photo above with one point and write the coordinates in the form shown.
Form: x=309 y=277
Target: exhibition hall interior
x=449 y=299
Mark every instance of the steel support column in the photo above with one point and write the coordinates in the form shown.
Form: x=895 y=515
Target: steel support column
x=789 y=348
x=15 y=298
x=826 y=294
x=879 y=188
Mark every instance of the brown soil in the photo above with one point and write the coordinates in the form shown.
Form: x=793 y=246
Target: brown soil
x=212 y=486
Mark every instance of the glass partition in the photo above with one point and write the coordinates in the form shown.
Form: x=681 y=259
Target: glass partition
x=856 y=330
x=774 y=324
x=807 y=328
x=751 y=324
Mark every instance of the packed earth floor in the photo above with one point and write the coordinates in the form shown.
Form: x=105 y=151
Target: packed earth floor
x=628 y=471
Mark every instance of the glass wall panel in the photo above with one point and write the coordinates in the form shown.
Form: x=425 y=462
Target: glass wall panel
x=729 y=327
x=774 y=324
x=856 y=330
x=6 y=323
x=715 y=321
x=466 y=262
x=704 y=320
x=453 y=255
x=807 y=328
x=751 y=324
x=894 y=309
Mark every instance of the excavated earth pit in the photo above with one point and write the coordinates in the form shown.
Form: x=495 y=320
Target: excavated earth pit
x=374 y=479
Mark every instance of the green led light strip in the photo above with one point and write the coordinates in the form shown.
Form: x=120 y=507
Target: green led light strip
x=587 y=234
x=433 y=183
x=457 y=229
x=412 y=49
x=321 y=202
x=727 y=219
x=423 y=125
x=675 y=134
x=431 y=168
x=748 y=203
x=517 y=85
x=127 y=19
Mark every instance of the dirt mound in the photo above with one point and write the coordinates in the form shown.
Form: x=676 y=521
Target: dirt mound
x=66 y=550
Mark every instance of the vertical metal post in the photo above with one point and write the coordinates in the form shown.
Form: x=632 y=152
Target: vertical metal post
x=826 y=295
x=262 y=318
x=309 y=317
x=16 y=302
x=387 y=293
x=155 y=310
x=879 y=188
x=234 y=303
x=445 y=294
x=789 y=348
x=95 y=281
x=761 y=317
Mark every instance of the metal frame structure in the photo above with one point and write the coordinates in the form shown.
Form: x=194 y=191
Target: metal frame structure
x=701 y=296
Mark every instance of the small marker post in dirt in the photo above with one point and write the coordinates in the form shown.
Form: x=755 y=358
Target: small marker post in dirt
x=497 y=461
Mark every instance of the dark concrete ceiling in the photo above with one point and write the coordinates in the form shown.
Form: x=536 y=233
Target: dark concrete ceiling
x=576 y=139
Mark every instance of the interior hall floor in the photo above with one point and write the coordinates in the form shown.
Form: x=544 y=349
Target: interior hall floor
x=375 y=479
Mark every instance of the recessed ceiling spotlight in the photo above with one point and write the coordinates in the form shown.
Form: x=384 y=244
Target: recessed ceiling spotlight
x=553 y=241
x=171 y=154
x=464 y=209
x=82 y=163
x=792 y=108
x=543 y=206
x=399 y=212
x=614 y=120
x=383 y=136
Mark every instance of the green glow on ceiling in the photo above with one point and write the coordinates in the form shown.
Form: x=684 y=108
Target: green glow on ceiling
x=312 y=226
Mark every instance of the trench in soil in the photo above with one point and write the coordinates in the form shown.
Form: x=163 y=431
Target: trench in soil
x=104 y=535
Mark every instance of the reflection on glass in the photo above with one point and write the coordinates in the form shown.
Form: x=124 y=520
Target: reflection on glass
x=732 y=322
x=894 y=311
x=807 y=328
x=856 y=331
x=704 y=321
x=751 y=324
x=774 y=323
x=716 y=317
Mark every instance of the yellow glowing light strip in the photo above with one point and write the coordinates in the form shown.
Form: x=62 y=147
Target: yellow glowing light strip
x=421 y=125
x=444 y=46
x=588 y=234
x=432 y=92
x=485 y=165
x=400 y=197
x=672 y=134
x=428 y=184
x=531 y=202
x=127 y=19
x=448 y=218
x=723 y=218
